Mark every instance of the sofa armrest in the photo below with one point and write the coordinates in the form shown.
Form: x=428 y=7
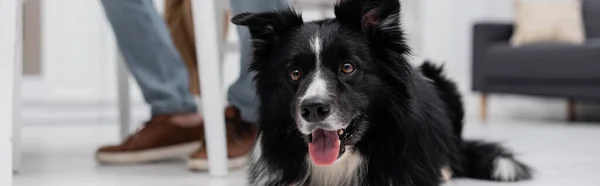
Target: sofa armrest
x=484 y=35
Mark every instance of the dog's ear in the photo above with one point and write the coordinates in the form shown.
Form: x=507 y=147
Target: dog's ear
x=268 y=25
x=380 y=21
x=369 y=16
x=266 y=29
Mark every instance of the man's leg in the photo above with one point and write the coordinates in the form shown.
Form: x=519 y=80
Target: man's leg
x=179 y=19
x=240 y=116
x=155 y=63
x=152 y=58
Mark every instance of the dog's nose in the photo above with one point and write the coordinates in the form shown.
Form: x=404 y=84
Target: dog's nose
x=315 y=109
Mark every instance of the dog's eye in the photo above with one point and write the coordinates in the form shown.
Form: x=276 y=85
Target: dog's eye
x=348 y=68
x=295 y=74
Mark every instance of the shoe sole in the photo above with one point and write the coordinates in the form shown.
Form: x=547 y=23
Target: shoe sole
x=232 y=163
x=142 y=156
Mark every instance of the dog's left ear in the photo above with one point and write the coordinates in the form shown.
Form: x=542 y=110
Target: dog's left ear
x=268 y=25
x=369 y=16
x=266 y=30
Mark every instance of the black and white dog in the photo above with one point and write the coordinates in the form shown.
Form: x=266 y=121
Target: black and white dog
x=340 y=105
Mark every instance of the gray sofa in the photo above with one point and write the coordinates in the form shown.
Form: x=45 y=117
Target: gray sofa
x=550 y=69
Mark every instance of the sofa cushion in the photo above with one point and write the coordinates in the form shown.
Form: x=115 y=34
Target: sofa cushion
x=591 y=18
x=544 y=61
x=548 y=21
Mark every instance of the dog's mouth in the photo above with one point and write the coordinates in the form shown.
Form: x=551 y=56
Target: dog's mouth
x=326 y=146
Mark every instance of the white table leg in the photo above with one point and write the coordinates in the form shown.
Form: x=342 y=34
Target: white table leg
x=10 y=68
x=123 y=97
x=207 y=48
x=16 y=89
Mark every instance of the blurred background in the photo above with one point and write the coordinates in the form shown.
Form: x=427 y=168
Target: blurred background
x=535 y=91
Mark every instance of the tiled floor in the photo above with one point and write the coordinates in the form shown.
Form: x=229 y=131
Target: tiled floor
x=54 y=155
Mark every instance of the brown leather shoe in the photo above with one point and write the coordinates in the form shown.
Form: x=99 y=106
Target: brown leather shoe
x=159 y=139
x=240 y=139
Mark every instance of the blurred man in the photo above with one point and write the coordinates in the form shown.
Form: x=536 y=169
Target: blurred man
x=176 y=128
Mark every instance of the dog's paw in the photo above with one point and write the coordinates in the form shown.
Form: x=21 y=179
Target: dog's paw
x=446 y=174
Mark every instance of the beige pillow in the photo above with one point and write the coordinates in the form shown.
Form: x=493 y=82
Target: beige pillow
x=539 y=21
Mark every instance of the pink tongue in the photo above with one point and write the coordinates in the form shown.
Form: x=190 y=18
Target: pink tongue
x=325 y=147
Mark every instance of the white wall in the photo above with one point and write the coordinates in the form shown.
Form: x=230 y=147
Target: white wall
x=8 y=68
x=446 y=30
x=76 y=56
x=410 y=22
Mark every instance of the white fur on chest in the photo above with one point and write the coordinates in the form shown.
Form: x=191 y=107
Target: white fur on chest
x=345 y=171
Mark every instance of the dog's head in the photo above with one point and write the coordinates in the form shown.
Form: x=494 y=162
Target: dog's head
x=330 y=70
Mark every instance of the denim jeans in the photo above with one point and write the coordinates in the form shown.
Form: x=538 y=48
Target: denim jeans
x=157 y=66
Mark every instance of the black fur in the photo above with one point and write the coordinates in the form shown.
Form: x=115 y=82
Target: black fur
x=405 y=128
x=476 y=158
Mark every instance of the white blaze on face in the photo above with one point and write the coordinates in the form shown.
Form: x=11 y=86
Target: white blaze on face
x=318 y=86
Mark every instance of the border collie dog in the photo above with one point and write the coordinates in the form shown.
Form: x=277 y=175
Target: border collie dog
x=341 y=105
